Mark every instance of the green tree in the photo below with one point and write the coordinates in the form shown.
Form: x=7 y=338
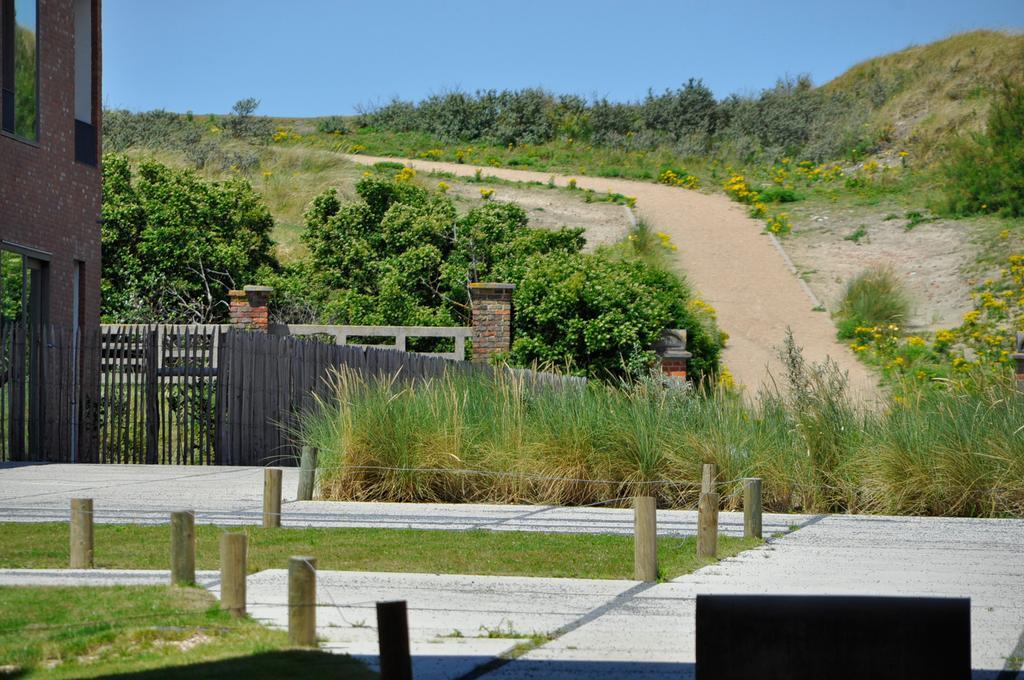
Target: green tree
x=599 y=316
x=402 y=256
x=174 y=244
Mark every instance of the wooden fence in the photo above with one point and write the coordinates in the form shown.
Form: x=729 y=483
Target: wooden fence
x=42 y=409
x=187 y=395
x=265 y=382
x=180 y=394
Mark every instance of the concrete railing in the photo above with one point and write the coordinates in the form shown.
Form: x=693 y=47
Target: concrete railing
x=401 y=334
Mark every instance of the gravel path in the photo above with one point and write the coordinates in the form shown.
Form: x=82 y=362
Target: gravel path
x=732 y=264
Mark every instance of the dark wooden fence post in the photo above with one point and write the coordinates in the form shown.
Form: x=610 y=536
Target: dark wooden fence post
x=393 y=638
x=152 y=392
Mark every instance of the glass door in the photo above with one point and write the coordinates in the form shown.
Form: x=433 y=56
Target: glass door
x=23 y=316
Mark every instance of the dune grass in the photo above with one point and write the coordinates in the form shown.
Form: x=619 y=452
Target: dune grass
x=944 y=450
x=146 y=631
x=875 y=297
x=502 y=553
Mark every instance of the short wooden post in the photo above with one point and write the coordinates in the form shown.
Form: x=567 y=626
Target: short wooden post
x=707 y=525
x=271 y=497
x=645 y=538
x=307 y=473
x=302 y=601
x=183 y=548
x=708 y=476
x=232 y=572
x=393 y=638
x=752 y=507
x=81 y=534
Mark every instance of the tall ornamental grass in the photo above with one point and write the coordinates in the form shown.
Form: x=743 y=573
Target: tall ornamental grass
x=955 y=450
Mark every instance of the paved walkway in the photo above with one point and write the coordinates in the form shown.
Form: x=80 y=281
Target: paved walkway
x=604 y=629
x=146 y=494
x=601 y=629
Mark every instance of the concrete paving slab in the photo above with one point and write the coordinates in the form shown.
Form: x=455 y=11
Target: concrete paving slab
x=619 y=629
x=456 y=623
x=652 y=633
x=231 y=496
x=98 y=577
x=139 y=493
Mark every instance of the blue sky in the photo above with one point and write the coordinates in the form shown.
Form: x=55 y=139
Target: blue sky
x=320 y=57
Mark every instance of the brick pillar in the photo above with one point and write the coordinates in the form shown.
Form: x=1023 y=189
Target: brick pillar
x=492 y=319
x=671 y=349
x=249 y=307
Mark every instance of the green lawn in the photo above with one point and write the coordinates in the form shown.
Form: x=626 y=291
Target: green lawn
x=401 y=550
x=146 y=632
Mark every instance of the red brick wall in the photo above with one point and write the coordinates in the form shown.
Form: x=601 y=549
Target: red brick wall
x=51 y=203
x=674 y=367
x=250 y=308
x=492 y=319
x=48 y=201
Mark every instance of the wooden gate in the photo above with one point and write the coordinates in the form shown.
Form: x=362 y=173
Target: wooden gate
x=157 y=390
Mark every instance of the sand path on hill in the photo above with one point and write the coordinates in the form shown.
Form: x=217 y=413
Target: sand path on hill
x=732 y=265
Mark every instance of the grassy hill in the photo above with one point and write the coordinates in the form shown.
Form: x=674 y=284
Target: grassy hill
x=914 y=100
x=923 y=95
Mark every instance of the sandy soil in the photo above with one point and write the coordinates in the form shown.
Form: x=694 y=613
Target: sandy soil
x=930 y=259
x=605 y=223
x=733 y=265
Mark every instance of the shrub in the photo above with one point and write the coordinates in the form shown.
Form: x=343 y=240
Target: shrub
x=174 y=244
x=396 y=115
x=455 y=115
x=985 y=172
x=777 y=195
x=689 y=110
x=817 y=397
x=156 y=129
x=333 y=125
x=242 y=124
x=599 y=317
x=875 y=297
x=648 y=245
x=523 y=117
x=778 y=224
x=793 y=117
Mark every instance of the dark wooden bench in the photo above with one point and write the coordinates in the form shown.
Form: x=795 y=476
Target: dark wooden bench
x=814 y=637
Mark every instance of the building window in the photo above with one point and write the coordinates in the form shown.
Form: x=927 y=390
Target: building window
x=85 y=90
x=19 y=67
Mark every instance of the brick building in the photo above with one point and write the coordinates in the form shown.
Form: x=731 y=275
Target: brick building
x=49 y=168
